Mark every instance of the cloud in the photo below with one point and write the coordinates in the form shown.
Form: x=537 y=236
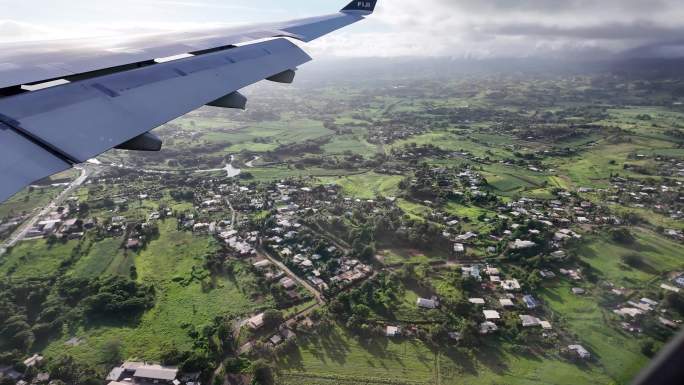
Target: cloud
x=507 y=28
x=452 y=28
x=11 y=30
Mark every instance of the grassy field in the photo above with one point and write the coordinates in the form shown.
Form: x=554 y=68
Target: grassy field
x=275 y=133
x=659 y=254
x=33 y=259
x=619 y=353
x=263 y=174
x=414 y=210
x=103 y=257
x=172 y=255
x=27 y=201
x=366 y=185
x=354 y=144
x=339 y=358
x=593 y=167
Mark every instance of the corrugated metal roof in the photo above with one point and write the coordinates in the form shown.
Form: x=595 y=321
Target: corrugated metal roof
x=156 y=373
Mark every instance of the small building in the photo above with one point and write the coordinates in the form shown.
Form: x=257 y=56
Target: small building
x=142 y=373
x=41 y=378
x=392 y=331
x=426 y=303
x=477 y=301
x=510 y=285
x=547 y=274
x=459 y=249
x=264 y=263
x=287 y=334
x=580 y=351
x=488 y=327
x=133 y=244
x=275 y=339
x=578 y=291
x=559 y=254
x=156 y=374
x=529 y=321
x=34 y=360
x=256 y=322
x=530 y=302
x=491 y=315
x=287 y=283
x=506 y=302
x=522 y=245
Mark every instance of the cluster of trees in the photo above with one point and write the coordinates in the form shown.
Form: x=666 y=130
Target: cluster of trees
x=381 y=295
x=116 y=297
x=36 y=309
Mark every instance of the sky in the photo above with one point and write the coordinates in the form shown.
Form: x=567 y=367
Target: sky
x=400 y=28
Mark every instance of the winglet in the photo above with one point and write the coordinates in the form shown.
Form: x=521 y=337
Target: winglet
x=362 y=7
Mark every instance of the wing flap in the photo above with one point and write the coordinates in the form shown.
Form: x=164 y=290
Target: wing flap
x=23 y=162
x=86 y=118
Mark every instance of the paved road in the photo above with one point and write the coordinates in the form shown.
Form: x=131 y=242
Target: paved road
x=233 y=216
x=319 y=297
x=21 y=232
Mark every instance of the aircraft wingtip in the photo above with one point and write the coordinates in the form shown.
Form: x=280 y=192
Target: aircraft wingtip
x=364 y=7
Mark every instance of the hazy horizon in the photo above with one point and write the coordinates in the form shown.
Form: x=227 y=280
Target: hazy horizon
x=568 y=29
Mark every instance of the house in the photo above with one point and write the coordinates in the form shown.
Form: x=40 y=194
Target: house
x=679 y=281
x=246 y=348
x=668 y=323
x=156 y=374
x=264 y=263
x=491 y=315
x=529 y=321
x=275 y=339
x=256 y=322
x=115 y=374
x=287 y=283
x=510 y=285
x=488 y=327
x=133 y=244
x=142 y=373
x=287 y=334
x=667 y=287
x=34 y=360
x=547 y=274
x=651 y=303
x=629 y=312
x=580 y=351
x=560 y=254
x=522 y=245
x=459 y=249
x=426 y=303
x=530 y=302
x=506 y=302
x=473 y=271
x=578 y=291
x=41 y=378
x=392 y=331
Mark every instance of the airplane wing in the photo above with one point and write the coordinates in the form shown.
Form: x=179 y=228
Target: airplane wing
x=62 y=103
